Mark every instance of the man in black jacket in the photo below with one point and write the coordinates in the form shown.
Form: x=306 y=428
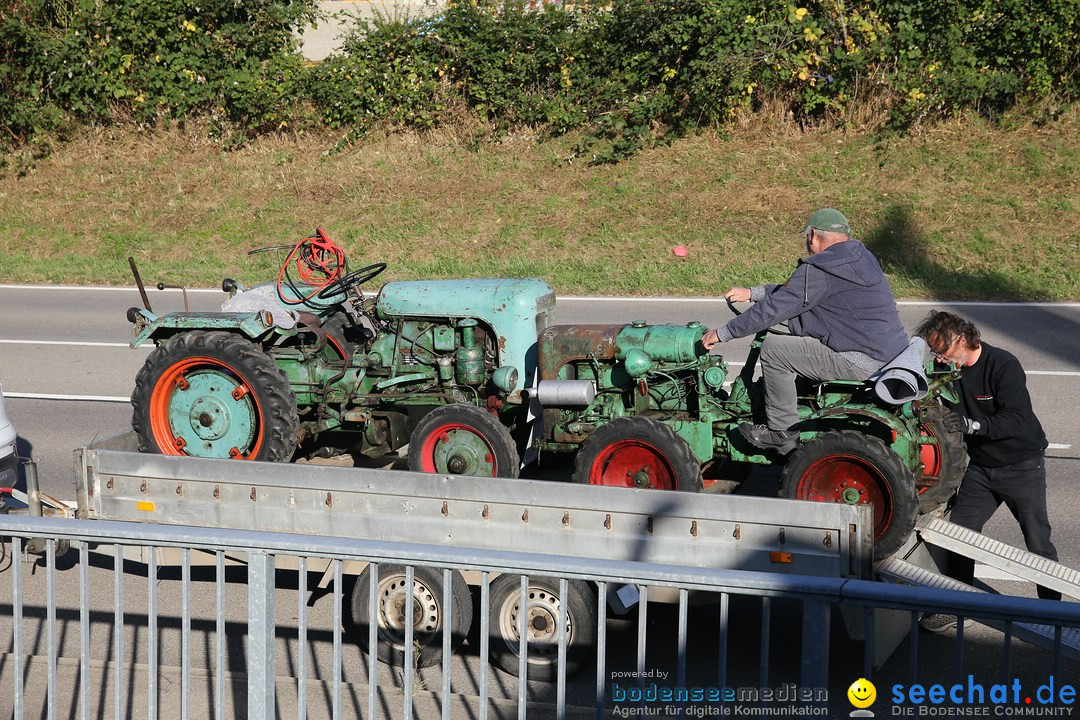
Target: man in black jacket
x=1005 y=443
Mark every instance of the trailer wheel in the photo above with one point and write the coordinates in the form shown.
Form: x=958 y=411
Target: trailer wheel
x=214 y=394
x=850 y=467
x=463 y=440
x=943 y=463
x=637 y=452
x=541 y=625
x=429 y=613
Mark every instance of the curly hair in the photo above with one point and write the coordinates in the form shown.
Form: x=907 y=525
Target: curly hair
x=945 y=327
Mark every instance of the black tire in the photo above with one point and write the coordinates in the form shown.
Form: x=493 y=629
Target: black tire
x=943 y=464
x=637 y=452
x=851 y=467
x=429 y=613
x=463 y=440
x=542 y=625
x=214 y=394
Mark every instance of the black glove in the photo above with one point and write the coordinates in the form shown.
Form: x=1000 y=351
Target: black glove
x=955 y=422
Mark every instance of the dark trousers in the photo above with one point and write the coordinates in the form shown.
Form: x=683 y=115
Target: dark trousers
x=1022 y=487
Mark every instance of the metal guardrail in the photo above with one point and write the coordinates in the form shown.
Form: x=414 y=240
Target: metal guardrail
x=262 y=662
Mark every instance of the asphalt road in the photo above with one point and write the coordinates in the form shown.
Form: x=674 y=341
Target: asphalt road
x=67 y=371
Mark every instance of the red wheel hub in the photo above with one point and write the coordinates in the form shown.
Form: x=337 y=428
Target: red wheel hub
x=930 y=457
x=633 y=463
x=458 y=449
x=852 y=480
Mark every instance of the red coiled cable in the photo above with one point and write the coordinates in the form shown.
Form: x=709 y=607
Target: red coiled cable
x=319 y=262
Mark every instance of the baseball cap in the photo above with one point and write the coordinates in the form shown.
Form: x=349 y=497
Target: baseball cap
x=828 y=220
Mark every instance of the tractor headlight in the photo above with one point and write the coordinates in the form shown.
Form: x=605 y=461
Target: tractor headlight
x=505 y=378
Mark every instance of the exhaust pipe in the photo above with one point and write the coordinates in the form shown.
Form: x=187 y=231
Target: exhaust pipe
x=565 y=393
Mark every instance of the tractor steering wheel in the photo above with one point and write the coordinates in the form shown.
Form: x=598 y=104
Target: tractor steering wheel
x=351 y=280
x=775 y=329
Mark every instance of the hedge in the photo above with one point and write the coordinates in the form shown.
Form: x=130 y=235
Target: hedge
x=622 y=75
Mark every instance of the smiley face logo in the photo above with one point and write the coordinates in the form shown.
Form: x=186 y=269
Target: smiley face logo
x=862 y=693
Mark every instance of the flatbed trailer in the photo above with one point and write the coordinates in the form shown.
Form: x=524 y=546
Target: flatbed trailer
x=114 y=481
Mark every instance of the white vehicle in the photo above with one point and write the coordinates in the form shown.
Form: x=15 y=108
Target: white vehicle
x=9 y=472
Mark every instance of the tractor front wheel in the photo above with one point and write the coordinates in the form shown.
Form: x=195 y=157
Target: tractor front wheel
x=214 y=394
x=637 y=452
x=463 y=440
x=857 y=469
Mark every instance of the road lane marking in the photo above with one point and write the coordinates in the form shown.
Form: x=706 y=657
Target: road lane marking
x=1062 y=373
x=64 y=342
x=731 y=363
x=53 y=396
x=910 y=303
x=119 y=399
x=108 y=288
x=583 y=298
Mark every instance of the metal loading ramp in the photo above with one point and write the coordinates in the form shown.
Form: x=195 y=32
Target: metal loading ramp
x=994 y=553
x=1028 y=566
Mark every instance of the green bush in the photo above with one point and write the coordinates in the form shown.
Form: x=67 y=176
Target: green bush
x=622 y=75
x=387 y=73
x=643 y=71
x=85 y=61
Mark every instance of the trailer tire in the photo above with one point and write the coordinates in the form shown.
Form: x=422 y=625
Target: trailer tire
x=429 y=613
x=214 y=394
x=851 y=467
x=944 y=463
x=542 y=625
x=637 y=452
x=463 y=439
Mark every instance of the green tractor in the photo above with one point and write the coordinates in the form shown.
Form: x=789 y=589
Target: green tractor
x=311 y=365
x=646 y=406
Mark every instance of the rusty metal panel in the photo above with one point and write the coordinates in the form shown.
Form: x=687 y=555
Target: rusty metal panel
x=560 y=344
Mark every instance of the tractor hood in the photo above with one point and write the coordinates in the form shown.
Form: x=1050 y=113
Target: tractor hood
x=491 y=300
x=517 y=309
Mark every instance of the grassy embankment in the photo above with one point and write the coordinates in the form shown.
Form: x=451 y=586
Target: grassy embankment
x=961 y=211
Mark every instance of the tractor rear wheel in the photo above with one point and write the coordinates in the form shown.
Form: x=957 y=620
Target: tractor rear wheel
x=943 y=463
x=217 y=395
x=463 y=440
x=637 y=452
x=857 y=469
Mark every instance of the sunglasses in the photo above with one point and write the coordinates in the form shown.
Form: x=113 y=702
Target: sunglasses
x=940 y=354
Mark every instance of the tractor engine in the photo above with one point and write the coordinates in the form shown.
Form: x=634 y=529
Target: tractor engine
x=591 y=374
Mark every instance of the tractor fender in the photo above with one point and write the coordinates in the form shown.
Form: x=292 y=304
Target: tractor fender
x=256 y=326
x=902 y=437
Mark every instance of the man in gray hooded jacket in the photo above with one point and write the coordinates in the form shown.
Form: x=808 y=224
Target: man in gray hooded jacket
x=842 y=316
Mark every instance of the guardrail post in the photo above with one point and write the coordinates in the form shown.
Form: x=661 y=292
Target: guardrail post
x=35 y=545
x=815 y=644
x=260 y=659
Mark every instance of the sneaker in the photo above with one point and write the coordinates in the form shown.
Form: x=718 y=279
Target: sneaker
x=783 y=441
x=941 y=622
